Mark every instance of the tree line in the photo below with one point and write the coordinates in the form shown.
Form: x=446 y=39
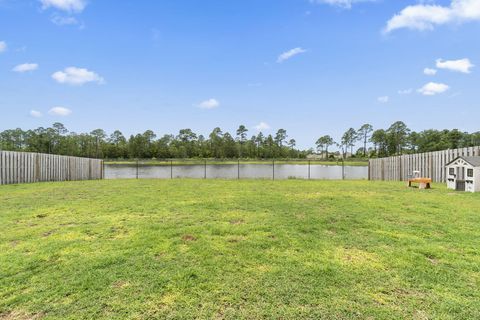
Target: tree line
x=398 y=139
x=186 y=144
x=364 y=142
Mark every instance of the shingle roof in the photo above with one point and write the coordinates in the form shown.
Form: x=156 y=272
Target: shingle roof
x=474 y=161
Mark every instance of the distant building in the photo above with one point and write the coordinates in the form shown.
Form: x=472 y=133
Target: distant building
x=323 y=155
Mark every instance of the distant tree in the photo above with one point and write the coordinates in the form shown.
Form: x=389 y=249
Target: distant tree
x=242 y=133
x=364 y=133
x=260 y=142
x=117 y=138
x=343 y=148
x=320 y=145
x=291 y=144
x=165 y=146
x=60 y=128
x=413 y=141
x=186 y=142
x=348 y=140
x=280 y=137
x=269 y=147
x=397 y=137
x=98 y=136
x=473 y=140
x=379 y=140
x=455 y=138
x=241 y=138
x=229 y=147
x=325 y=142
x=149 y=138
x=117 y=144
x=216 y=142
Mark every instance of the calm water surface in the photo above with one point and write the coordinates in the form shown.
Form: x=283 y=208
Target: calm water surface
x=233 y=171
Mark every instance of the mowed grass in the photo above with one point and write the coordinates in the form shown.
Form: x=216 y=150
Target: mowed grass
x=207 y=249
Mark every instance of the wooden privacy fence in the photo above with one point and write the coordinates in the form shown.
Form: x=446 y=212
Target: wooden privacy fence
x=430 y=164
x=24 y=167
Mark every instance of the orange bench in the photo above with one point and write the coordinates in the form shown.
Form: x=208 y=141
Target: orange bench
x=423 y=183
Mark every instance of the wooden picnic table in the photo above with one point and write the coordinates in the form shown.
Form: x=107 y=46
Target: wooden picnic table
x=423 y=183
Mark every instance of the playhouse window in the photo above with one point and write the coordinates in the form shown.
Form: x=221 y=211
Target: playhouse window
x=451 y=171
x=470 y=173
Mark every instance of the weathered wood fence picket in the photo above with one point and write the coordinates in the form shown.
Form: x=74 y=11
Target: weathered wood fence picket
x=430 y=164
x=24 y=167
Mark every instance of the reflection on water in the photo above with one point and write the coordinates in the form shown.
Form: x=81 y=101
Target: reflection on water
x=234 y=171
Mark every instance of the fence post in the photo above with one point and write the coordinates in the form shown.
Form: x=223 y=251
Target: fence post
x=238 y=169
x=343 y=169
x=308 y=169
x=90 y=169
x=205 y=169
x=37 y=167
x=171 y=169
x=273 y=173
x=369 y=169
x=137 y=168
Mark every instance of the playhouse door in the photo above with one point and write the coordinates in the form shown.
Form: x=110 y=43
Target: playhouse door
x=460 y=179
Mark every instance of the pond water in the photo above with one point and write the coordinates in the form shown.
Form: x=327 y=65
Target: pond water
x=234 y=171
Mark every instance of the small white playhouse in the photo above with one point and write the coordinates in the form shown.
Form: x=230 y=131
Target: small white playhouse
x=463 y=174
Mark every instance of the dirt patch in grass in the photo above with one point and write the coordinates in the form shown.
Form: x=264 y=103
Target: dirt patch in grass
x=14 y=243
x=237 y=221
x=189 y=238
x=48 y=233
x=433 y=261
x=120 y=284
x=358 y=258
x=236 y=239
x=158 y=256
x=19 y=315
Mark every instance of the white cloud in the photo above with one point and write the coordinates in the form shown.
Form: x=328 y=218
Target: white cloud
x=433 y=88
x=262 y=126
x=209 y=104
x=60 y=111
x=3 y=46
x=462 y=65
x=289 y=54
x=35 y=114
x=383 y=99
x=77 y=76
x=25 y=67
x=64 y=21
x=427 y=16
x=429 y=71
x=65 y=5
x=405 y=91
x=347 y=4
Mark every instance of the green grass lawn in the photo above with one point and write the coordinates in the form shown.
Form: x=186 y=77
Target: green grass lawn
x=203 y=249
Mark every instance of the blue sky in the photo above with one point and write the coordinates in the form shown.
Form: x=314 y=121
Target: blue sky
x=313 y=67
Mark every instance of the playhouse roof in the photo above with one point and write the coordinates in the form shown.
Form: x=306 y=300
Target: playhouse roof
x=474 y=161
